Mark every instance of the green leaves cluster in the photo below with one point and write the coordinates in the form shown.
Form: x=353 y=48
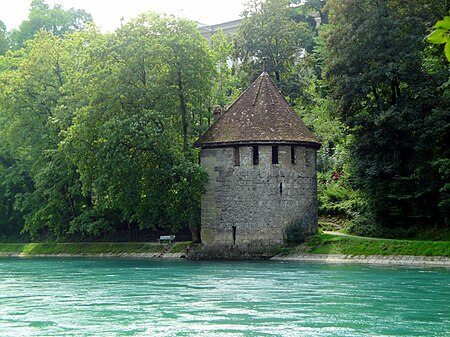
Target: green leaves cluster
x=54 y=20
x=389 y=88
x=273 y=36
x=441 y=35
x=97 y=130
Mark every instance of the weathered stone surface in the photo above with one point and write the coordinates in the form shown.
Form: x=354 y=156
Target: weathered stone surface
x=246 y=208
x=401 y=260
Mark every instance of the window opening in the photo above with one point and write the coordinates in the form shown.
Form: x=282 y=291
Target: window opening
x=281 y=188
x=255 y=155
x=234 y=234
x=274 y=154
x=292 y=154
x=237 y=156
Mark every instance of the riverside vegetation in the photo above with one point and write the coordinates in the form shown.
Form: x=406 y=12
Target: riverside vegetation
x=318 y=244
x=97 y=128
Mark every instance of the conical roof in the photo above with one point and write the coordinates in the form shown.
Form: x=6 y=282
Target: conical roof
x=260 y=115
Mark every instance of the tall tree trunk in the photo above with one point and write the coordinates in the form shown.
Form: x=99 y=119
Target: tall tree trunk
x=195 y=232
x=183 y=111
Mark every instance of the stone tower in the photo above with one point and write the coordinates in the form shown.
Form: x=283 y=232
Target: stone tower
x=261 y=161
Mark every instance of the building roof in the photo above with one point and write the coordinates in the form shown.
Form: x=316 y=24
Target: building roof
x=227 y=28
x=260 y=115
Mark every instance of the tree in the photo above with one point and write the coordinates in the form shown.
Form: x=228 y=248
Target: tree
x=384 y=79
x=55 y=20
x=132 y=141
x=4 y=39
x=311 y=10
x=269 y=37
x=48 y=195
x=225 y=91
x=98 y=130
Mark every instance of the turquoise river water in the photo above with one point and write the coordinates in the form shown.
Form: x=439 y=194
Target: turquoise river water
x=131 y=297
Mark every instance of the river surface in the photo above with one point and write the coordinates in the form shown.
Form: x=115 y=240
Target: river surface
x=126 y=297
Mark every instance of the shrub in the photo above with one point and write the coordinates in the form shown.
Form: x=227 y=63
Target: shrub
x=364 y=225
x=297 y=231
x=339 y=199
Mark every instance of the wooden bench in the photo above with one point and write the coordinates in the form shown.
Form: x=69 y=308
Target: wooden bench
x=166 y=238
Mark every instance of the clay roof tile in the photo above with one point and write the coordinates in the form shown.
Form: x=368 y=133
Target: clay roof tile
x=259 y=115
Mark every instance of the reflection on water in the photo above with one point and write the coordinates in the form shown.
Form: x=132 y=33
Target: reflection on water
x=114 y=297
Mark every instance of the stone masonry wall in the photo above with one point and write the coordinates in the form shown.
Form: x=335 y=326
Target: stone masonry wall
x=258 y=200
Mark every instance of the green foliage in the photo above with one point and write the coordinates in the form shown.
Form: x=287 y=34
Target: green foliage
x=225 y=91
x=383 y=77
x=98 y=130
x=441 y=35
x=297 y=231
x=269 y=34
x=364 y=224
x=136 y=162
x=54 y=20
x=338 y=199
x=4 y=39
x=92 y=223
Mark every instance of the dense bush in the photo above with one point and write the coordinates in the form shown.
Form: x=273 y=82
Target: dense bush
x=338 y=199
x=297 y=231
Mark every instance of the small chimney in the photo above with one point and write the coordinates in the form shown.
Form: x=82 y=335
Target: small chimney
x=217 y=112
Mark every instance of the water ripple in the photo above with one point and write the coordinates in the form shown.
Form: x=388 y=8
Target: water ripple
x=101 y=297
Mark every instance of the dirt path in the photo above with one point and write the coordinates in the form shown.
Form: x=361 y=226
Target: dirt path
x=351 y=236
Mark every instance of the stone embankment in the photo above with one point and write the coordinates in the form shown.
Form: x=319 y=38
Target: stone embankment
x=394 y=260
x=102 y=255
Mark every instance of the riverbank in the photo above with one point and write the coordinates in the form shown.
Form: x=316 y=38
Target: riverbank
x=96 y=249
x=335 y=247
x=325 y=248
x=342 y=244
x=393 y=260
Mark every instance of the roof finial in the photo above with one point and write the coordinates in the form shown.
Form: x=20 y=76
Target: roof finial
x=264 y=59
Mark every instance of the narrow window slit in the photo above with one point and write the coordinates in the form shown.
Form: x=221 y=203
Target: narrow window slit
x=234 y=234
x=255 y=155
x=237 y=156
x=292 y=154
x=274 y=154
x=281 y=188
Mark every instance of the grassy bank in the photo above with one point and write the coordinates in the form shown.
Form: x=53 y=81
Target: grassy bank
x=332 y=244
x=86 y=248
x=319 y=244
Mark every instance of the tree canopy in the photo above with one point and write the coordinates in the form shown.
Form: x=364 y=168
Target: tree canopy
x=54 y=19
x=386 y=82
x=97 y=130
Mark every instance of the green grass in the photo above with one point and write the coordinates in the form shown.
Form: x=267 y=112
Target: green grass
x=332 y=244
x=79 y=248
x=180 y=247
x=319 y=244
